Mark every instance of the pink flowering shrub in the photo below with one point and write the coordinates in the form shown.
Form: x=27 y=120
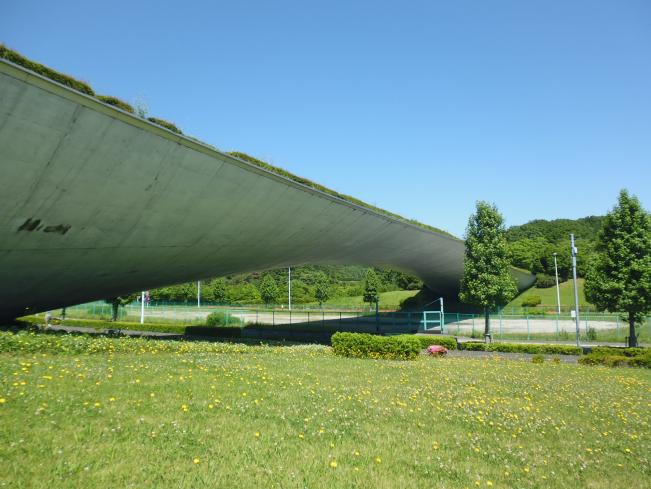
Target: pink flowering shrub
x=437 y=350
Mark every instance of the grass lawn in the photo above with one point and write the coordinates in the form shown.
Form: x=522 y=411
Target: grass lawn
x=388 y=300
x=548 y=296
x=138 y=413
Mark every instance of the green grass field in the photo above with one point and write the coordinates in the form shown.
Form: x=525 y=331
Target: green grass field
x=548 y=296
x=388 y=300
x=137 y=413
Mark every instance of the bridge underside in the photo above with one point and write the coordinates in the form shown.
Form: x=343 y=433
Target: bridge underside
x=95 y=202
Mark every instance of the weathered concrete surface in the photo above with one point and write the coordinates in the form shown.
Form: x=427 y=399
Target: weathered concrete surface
x=96 y=202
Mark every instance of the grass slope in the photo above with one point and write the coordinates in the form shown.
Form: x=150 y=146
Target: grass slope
x=388 y=300
x=548 y=296
x=167 y=414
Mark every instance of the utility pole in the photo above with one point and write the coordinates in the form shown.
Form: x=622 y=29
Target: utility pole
x=558 y=290
x=289 y=288
x=198 y=293
x=576 y=290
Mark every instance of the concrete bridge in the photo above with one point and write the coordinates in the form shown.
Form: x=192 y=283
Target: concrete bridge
x=96 y=202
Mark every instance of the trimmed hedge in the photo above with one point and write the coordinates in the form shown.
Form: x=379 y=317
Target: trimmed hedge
x=522 y=348
x=448 y=342
x=165 y=124
x=606 y=356
x=19 y=59
x=626 y=352
x=359 y=345
x=116 y=102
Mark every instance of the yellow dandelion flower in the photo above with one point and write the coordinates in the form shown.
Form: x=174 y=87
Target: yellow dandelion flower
x=378 y=460
x=196 y=461
x=333 y=464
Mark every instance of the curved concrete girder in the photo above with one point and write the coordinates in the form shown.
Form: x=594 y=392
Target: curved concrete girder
x=96 y=202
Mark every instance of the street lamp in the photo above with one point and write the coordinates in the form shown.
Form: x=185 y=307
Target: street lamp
x=558 y=290
x=576 y=290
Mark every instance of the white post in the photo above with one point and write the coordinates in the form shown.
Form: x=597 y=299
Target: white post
x=558 y=290
x=198 y=293
x=142 y=307
x=576 y=290
x=289 y=288
x=442 y=318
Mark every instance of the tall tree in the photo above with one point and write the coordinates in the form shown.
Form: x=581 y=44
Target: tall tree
x=372 y=288
x=486 y=281
x=619 y=277
x=268 y=289
x=322 y=288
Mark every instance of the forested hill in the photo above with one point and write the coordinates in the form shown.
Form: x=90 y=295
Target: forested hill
x=532 y=245
x=557 y=230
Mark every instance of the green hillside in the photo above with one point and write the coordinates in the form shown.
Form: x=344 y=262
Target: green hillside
x=548 y=296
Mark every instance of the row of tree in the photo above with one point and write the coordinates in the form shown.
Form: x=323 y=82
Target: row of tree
x=310 y=284
x=618 y=271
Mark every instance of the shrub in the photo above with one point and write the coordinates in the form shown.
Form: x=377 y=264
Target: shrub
x=545 y=281
x=359 y=345
x=116 y=102
x=165 y=124
x=531 y=301
x=591 y=334
x=448 y=342
x=538 y=358
x=19 y=59
x=522 y=348
x=220 y=318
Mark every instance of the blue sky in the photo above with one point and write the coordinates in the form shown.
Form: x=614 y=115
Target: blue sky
x=422 y=108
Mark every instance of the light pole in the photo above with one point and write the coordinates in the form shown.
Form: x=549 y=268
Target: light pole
x=289 y=288
x=576 y=290
x=558 y=290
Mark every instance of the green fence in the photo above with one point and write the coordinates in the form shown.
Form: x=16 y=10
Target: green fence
x=594 y=326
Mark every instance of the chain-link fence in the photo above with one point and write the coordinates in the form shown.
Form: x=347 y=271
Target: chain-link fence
x=536 y=326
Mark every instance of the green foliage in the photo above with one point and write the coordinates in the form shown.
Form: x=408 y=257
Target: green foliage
x=322 y=285
x=116 y=102
x=243 y=293
x=357 y=345
x=268 y=289
x=120 y=301
x=165 y=124
x=531 y=301
x=371 y=287
x=557 y=230
x=42 y=70
x=220 y=318
x=545 y=281
x=538 y=358
x=522 y=348
x=619 y=278
x=618 y=357
x=486 y=280
x=448 y=342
